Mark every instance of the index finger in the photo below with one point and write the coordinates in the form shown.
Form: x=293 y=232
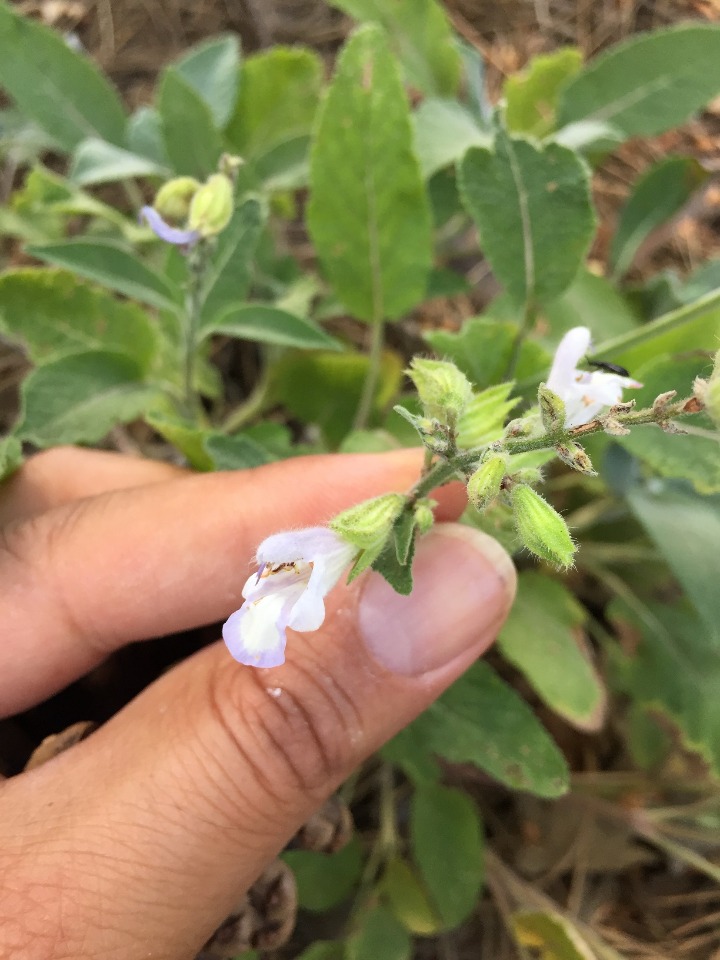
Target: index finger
x=86 y=578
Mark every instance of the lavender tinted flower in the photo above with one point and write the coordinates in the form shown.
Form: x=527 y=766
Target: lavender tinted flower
x=162 y=229
x=585 y=394
x=296 y=571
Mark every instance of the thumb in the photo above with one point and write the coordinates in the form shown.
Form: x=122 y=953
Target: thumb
x=174 y=807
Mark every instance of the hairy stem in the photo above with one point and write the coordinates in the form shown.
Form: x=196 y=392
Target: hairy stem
x=197 y=264
x=464 y=463
x=373 y=374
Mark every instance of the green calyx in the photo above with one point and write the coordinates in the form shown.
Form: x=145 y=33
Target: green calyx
x=541 y=528
x=212 y=206
x=444 y=391
x=368 y=524
x=485 y=484
x=552 y=409
x=173 y=199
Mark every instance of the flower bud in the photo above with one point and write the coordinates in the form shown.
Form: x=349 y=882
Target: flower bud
x=529 y=475
x=575 y=456
x=484 y=485
x=424 y=516
x=541 y=528
x=368 y=524
x=172 y=201
x=552 y=409
x=708 y=392
x=212 y=206
x=443 y=390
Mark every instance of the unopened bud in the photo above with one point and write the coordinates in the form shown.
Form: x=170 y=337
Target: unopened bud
x=212 y=206
x=484 y=485
x=575 y=456
x=552 y=409
x=529 y=475
x=541 y=528
x=443 y=390
x=520 y=427
x=173 y=199
x=707 y=392
x=368 y=524
x=424 y=517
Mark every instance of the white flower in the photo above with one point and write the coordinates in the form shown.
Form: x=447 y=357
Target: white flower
x=585 y=394
x=297 y=570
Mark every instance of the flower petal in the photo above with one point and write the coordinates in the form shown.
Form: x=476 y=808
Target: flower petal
x=255 y=634
x=162 y=229
x=573 y=346
x=308 y=545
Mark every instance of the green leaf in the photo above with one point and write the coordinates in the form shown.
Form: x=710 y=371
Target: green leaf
x=186 y=436
x=11 y=456
x=266 y=324
x=422 y=39
x=544 y=629
x=590 y=301
x=656 y=197
x=320 y=950
x=325 y=879
x=531 y=96
x=482 y=349
x=96 y=161
x=144 y=136
x=228 y=277
x=369 y=215
x=113 y=266
x=404 y=536
x=238 y=452
x=693 y=326
x=212 y=70
x=447 y=846
x=62 y=91
x=368 y=441
x=337 y=382
x=554 y=937
x=532 y=206
x=380 y=937
x=397 y=572
x=649 y=83
x=484 y=419
x=481 y=720
x=407 y=898
x=192 y=141
x=279 y=95
x=694 y=457
x=685 y=528
x=672 y=674
x=52 y=313
x=444 y=131
x=79 y=398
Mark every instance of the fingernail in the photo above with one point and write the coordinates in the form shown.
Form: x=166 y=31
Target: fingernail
x=463 y=585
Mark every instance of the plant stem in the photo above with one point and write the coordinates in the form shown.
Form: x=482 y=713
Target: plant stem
x=371 y=380
x=464 y=463
x=196 y=263
x=527 y=323
x=251 y=406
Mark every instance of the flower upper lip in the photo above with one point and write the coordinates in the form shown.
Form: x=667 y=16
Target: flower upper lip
x=162 y=229
x=585 y=394
x=297 y=569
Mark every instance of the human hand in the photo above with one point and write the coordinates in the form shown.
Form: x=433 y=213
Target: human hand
x=139 y=840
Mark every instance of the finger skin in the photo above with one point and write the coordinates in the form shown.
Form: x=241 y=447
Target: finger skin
x=88 y=577
x=63 y=474
x=139 y=840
